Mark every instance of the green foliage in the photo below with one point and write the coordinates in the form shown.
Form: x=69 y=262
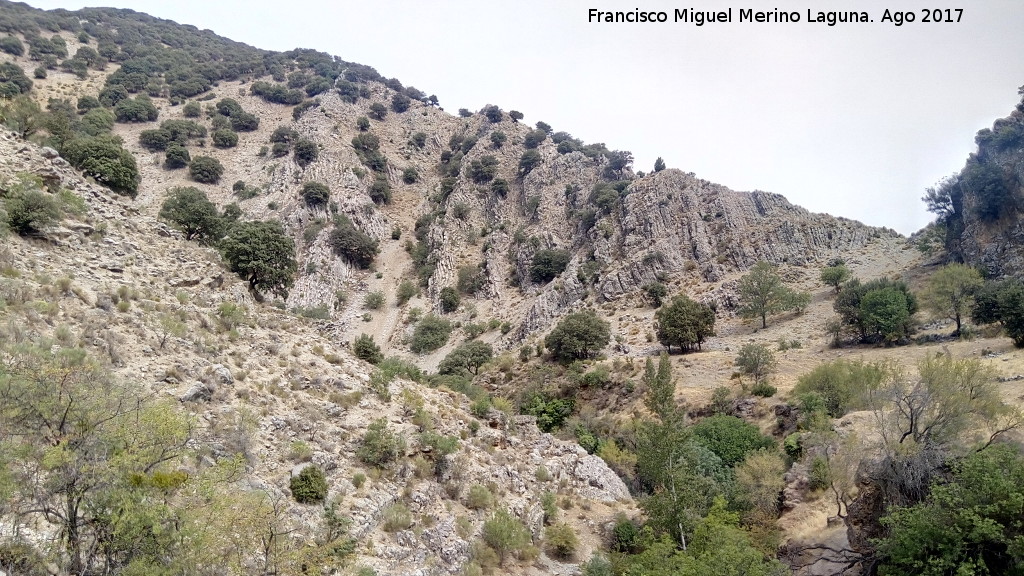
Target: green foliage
x=756 y=360
x=225 y=138
x=189 y=210
x=12 y=45
x=396 y=517
x=505 y=534
x=492 y=113
x=547 y=264
x=659 y=164
x=969 y=524
x=561 y=541
x=660 y=397
x=277 y=93
x=529 y=160
x=419 y=139
x=261 y=253
x=834 y=276
x=177 y=156
x=684 y=323
x=534 y=138
x=410 y=175
x=406 y=291
x=499 y=186
x=306 y=152
x=380 y=446
x=309 y=486
x=990 y=188
x=316 y=194
x=13 y=80
x=378 y=111
x=843 y=385
x=28 y=209
x=430 y=334
x=551 y=412
x=655 y=292
x=879 y=310
x=483 y=170
x=400 y=102
x=1002 y=302
x=103 y=158
x=449 y=299
x=374 y=300
x=950 y=292
x=763 y=294
x=205 y=169
x=577 y=336
x=380 y=190
x=352 y=243
x=366 y=349
x=730 y=438
x=139 y=109
x=191 y=110
x=498 y=138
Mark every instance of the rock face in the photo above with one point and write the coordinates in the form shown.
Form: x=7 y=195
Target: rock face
x=984 y=214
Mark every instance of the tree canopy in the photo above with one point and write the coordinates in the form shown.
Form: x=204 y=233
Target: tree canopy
x=189 y=210
x=577 y=336
x=261 y=253
x=684 y=323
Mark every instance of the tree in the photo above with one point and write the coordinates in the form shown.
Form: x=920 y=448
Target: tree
x=380 y=191
x=309 y=486
x=225 y=138
x=13 y=80
x=498 y=138
x=842 y=385
x=1002 y=302
x=316 y=194
x=534 y=138
x=350 y=242
x=756 y=360
x=577 y=336
x=969 y=524
x=261 y=253
x=449 y=299
x=659 y=164
x=28 y=209
x=366 y=349
x=762 y=293
x=515 y=115
x=547 y=264
x=378 y=111
x=205 y=169
x=561 y=540
x=469 y=356
x=22 y=115
x=684 y=323
x=492 y=113
x=530 y=160
x=380 y=445
x=400 y=102
x=655 y=292
x=660 y=397
x=140 y=109
x=730 y=438
x=103 y=158
x=177 y=156
x=306 y=152
x=834 y=276
x=430 y=334
x=189 y=210
x=504 y=533
x=950 y=292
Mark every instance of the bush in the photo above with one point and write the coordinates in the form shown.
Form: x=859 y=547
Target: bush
x=655 y=292
x=205 y=169
x=374 y=300
x=378 y=111
x=842 y=384
x=225 y=138
x=881 y=309
x=478 y=497
x=684 y=323
x=499 y=186
x=263 y=254
x=492 y=113
x=561 y=541
x=504 y=534
x=155 y=140
x=244 y=122
x=29 y=211
x=306 y=152
x=103 y=158
x=189 y=210
x=430 y=334
x=396 y=517
x=380 y=191
x=380 y=445
x=419 y=139
x=366 y=349
x=400 y=103
x=316 y=194
x=534 y=138
x=577 y=336
x=349 y=242
x=177 y=156
x=764 y=390
x=730 y=438
x=469 y=356
x=406 y=291
x=191 y=110
x=498 y=138
x=410 y=175
x=140 y=109
x=449 y=299
x=547 y=264
x=12 y=45
x=309 y=486
x=471 y=279
x=530 y=160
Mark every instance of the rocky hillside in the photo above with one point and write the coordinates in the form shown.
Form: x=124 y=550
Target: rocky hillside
x=980 y=208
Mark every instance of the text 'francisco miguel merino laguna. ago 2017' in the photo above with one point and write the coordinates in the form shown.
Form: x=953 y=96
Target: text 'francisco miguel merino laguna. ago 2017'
x=744 y=15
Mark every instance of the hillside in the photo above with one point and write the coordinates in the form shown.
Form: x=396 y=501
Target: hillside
x=402 y=217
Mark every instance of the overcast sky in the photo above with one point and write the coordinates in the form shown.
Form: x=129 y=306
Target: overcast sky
x=855 y=120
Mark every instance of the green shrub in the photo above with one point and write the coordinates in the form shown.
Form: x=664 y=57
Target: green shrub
x=139 y=109
x=205 y=169
x=380 y=191
x=378 y=111
x=316 y=194
x=177 y=156
x=349 y=242
x=469 y=356
x=843 y=385
x=366 y=349
x=577 y=336
x=430 y=334
x=263 y=254
x=492 y=113
x=530 y=160
x=406 y=291
x=505 y=534
x=225 y=138
x=478 y=497
x=396 y=517
x=499 y=186
x=309 y=486
x=244 y=122
x=410 y=175
x=400 y=102
x=419 y=139
x=380 y=445
x=547 y=264
x=764 y=390
x=498 y=138
x=449 y=299
x=12 y=45
x=374 y=300
x=189 y=210
x=756 y=360
x=561 y=541
x=534 y=138
x=730 y=438
x=306 y=152
x=103 y=158
x=191 y=110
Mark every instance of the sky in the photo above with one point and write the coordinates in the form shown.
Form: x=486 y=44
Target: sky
x=855 y=120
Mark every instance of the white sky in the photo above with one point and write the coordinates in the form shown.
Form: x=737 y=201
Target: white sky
x=855 y=120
